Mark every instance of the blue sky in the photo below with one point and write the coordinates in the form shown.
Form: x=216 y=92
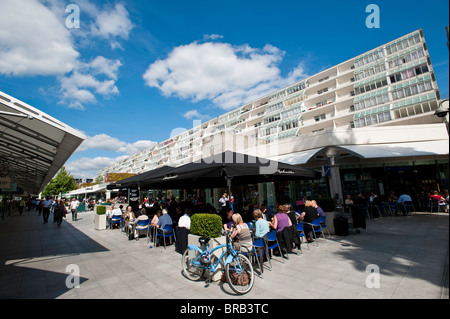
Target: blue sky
x=136 y=70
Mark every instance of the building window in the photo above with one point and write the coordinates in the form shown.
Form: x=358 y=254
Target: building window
x=376 y=84
x=320 y=117
x=403 y=75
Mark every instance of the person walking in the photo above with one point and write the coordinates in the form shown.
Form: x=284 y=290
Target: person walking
x=46 y=208
x=60 y=212
x=74 y=208
x=21 y=206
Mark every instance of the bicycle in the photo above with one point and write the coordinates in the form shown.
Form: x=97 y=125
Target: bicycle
x=238 y=268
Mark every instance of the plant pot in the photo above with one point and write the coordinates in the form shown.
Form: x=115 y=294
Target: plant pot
x=100 y=222
x=213 y=242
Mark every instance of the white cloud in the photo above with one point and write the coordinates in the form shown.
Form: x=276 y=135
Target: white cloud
x=86 y=167
x=33 y=40
x=212 y=36
x=105 y=142
x=194 y=114
x=113 y=25
x=225 y=74
x=79 y=87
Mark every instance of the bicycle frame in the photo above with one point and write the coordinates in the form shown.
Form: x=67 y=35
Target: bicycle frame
x=214 y=267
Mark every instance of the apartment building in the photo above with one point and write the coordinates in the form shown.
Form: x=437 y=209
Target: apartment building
x=385 y=97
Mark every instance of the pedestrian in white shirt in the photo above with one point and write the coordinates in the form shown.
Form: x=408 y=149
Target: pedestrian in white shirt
x=74 y=208
x=46 y=204
x=185 y=220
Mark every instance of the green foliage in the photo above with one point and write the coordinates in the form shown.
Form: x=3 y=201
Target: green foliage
x=206 y=225
x=328 y=204
x=101 y=210
x=63 y=182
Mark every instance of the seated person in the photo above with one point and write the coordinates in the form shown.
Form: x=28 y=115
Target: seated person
x=241 y=233
x=117 y=212
x=143 y=216
x=281 y=219
x=261 y=225
x=319 y=209
x=227 y=220
x=308 y=215
x=404 y=198
x=164 y=220
x=129 y=216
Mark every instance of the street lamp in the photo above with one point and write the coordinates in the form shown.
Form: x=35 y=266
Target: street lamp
x=442 y=111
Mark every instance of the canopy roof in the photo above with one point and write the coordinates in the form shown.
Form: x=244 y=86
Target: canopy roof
x=370 y=151
x=33 y=145
x=216 y=170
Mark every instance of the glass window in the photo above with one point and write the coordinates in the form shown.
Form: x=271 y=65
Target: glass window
x=403 y=113
x=395 y=95
x=418 y=109
x=408 y=91
x=421 y=87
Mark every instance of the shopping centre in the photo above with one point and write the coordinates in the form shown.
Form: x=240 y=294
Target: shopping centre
x=367 y=124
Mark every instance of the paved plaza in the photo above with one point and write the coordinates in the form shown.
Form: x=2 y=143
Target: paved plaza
x=38 y=260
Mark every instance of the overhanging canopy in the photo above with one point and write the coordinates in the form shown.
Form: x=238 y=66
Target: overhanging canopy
x=440 y=147
x=33 y=145
x=368 y=151
x=215 y=171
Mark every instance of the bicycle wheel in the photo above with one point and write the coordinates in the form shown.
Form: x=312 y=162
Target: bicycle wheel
x=191 y=271
x=240 y=274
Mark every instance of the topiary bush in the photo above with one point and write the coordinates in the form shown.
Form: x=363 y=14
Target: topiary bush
x=101 y=210
x=328 y=204
x=206 y=225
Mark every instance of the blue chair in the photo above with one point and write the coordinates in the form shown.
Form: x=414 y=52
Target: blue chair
x=257 y=252
x=272 y=238
x=301 y=233
x=166 y=232
x=323 y=224
x=408 y=207
x=140 y=226
x=317 y=228
x=393 y=208
x=116 y=220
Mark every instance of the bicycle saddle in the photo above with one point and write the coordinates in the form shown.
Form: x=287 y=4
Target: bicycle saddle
x=203 y=240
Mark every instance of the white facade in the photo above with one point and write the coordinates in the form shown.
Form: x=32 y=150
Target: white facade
x=391 y=85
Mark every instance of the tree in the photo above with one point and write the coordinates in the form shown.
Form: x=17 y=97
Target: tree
x=63 y=182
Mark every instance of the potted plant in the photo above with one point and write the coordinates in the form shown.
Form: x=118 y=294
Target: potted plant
x=210 y=226
x=100 y=217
